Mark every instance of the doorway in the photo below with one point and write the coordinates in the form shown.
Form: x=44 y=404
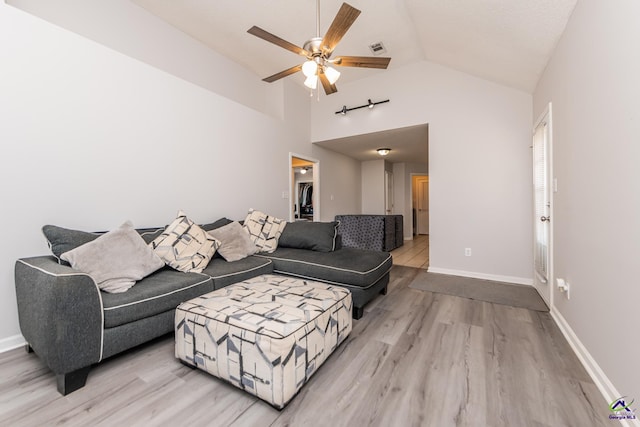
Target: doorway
x=304 y=190
x=415 y=252
x=542 y=215
x=420 y=202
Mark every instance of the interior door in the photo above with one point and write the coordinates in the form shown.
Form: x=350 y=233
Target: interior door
x=543 y=277
x=422 y=203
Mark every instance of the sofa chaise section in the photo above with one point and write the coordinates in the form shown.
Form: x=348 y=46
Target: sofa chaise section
x=364 y=273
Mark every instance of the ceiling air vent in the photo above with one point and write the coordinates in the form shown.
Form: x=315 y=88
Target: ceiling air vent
x=377 y=48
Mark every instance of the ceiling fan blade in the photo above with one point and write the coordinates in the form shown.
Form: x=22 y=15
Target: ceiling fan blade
x=362 y=61
x=328 y=87
x=282 y=74
x=341 y=23
x=265 y=35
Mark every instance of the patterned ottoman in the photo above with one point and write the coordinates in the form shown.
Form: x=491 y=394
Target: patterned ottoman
x=266 y=335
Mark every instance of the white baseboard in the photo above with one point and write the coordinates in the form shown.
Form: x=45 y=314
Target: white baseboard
x=606 y=387
x=475 y=275
x=10 y=343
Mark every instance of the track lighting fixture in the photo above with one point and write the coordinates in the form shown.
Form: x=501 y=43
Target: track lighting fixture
x=370 y=104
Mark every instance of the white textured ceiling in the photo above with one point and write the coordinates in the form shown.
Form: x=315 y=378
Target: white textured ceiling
x=505 y=41
x=408 y=145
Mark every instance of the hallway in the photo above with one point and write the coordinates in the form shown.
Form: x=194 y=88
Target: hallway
x=413 y=253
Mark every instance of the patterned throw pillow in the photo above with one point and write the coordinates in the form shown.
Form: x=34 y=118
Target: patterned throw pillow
x=264 y=230
x=185 y=246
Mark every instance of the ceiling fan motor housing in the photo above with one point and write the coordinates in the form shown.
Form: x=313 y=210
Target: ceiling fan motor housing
x=313 y=46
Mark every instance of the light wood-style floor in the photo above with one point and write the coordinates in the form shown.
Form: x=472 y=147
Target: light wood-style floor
x=414 y=359
x=413 y=253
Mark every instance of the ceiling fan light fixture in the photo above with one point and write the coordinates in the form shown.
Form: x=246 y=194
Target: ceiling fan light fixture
x=310 y=68
x=311 y=82
x=332 y=74
x=383 y=151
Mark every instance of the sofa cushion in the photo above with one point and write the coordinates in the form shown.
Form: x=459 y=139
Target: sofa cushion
x=225 y=273
x=157 y=293
x=315 y=236
x=61 y=240
x=216 y=224
x=184 y=245
x=264 y=230
x=235 y=242
x=349 y=267
x=150 y=234
x=115 y=260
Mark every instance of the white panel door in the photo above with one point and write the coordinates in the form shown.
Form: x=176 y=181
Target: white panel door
x=543 y=277
x=423 y=204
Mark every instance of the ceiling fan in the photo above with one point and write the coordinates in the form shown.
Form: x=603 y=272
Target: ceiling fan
x=318 y=50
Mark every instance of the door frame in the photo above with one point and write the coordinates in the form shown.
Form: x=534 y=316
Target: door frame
x=388 y=193
x=316 y=185
x=545 y=117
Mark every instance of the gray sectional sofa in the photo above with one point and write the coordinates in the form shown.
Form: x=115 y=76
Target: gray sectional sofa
x=71 y=324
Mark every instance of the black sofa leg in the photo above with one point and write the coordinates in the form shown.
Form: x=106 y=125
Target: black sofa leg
x=72 y=381
x=383 y=291
x=358 y=312
x=28 y=348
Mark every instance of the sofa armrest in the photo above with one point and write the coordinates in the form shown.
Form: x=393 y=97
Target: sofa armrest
x=60 y=313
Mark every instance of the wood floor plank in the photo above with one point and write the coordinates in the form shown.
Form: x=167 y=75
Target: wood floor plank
x=414 y=359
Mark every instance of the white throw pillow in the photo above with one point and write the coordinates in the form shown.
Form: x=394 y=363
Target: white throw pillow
x=235 y=243
x=115 y=260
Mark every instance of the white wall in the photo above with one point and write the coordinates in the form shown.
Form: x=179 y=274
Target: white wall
x=127 y=28
x=479 y=159
x=373 y=187
x=92 y=137
x=593 y=83
x=340 y=190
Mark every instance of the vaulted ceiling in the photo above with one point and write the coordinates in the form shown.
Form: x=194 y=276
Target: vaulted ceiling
x=505 y=41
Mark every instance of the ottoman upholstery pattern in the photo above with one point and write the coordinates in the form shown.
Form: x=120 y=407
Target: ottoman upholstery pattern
x=265 y=335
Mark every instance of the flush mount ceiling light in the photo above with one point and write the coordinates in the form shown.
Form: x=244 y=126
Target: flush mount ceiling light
x=318 y=51
x=370 y=104
x=383 y=151
x=303 y=171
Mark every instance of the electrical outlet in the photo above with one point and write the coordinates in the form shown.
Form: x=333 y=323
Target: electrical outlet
x=564 y=286
x=467 y=251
